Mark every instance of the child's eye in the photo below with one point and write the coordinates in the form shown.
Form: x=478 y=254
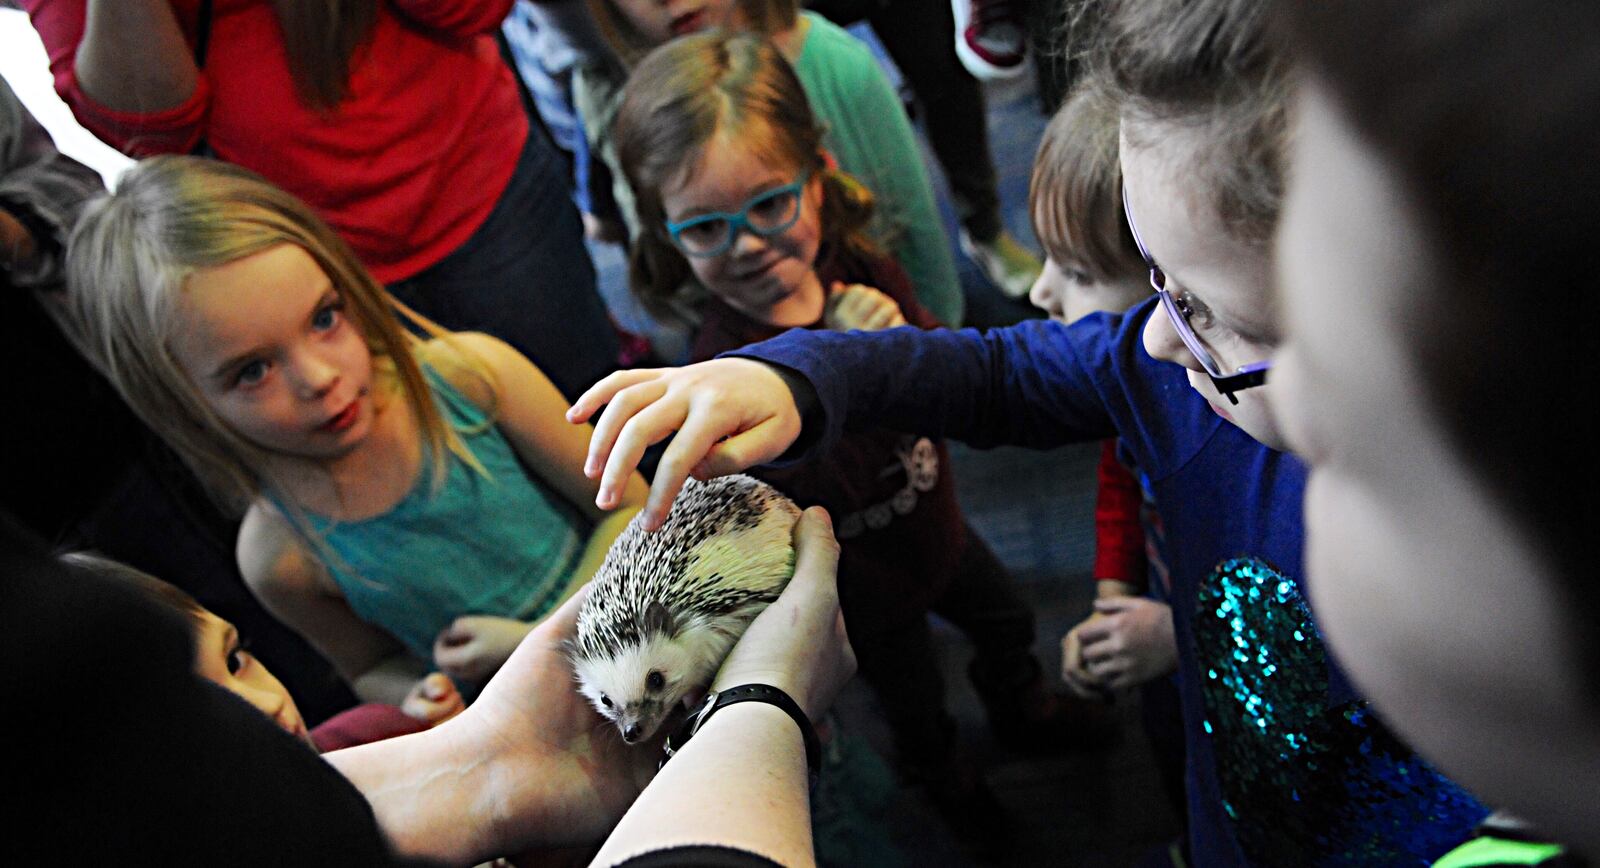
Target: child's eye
x=239 y=657
x=1194 y=310
x=704 y=234
x=250 y=373
x=773 y=209
x=327 y=317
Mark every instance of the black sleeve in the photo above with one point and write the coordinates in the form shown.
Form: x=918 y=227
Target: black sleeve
x=708 y=855
x=124 y=755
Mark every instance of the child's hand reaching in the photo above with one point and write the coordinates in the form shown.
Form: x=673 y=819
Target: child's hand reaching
x=730 y=414
x=1126 y=642
x=862 y=307
x=433 y=700
x=474 y=647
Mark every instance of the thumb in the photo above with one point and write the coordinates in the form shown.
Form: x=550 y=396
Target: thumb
x=436 y=686
x=458 y=633
x=1113 y=605
x=816 y=550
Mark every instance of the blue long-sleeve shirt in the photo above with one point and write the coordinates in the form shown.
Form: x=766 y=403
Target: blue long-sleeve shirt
x=1286 y=763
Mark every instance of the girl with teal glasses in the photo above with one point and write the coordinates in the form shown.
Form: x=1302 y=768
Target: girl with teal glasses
x=725 y=159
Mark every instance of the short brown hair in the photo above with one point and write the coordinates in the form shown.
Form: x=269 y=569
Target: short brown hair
x=1075 y=194
x=1208 y=65
x=686 y=92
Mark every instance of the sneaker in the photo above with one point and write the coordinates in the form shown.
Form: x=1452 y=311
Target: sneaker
x=1007 y=264
x=991 y=37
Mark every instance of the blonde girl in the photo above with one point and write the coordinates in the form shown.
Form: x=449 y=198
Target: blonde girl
x=405 y=498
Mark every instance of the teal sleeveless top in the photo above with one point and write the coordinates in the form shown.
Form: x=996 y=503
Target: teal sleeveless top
x=506 y=545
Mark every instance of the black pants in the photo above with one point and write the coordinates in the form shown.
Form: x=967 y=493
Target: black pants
x=897 y=658
x=920 y=37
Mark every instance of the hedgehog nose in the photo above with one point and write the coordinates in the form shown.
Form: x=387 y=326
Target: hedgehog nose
x=631 y=734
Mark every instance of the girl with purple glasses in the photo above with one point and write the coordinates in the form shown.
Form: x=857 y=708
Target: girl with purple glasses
x=1286 y=763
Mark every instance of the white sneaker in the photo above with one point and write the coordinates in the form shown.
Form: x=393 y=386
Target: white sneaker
x=1007 y=264
x=991 y=37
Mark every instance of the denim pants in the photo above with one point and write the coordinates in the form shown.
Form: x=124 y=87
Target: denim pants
x=526 y=277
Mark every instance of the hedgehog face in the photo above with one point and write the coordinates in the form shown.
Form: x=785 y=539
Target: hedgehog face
x=640 y=687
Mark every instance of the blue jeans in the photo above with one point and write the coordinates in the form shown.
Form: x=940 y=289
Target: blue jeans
x=525 y=277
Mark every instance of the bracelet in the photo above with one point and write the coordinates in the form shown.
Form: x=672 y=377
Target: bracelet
x=748 y=693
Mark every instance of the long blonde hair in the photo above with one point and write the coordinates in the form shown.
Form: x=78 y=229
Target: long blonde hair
x=128 y=260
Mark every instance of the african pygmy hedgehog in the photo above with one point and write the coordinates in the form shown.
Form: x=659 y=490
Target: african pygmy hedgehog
x=666 y=607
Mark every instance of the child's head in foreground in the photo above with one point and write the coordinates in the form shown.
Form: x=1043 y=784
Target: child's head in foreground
x=238 y=325
x=219 y=656
x=726 y=161
x=1075 y=198
x=635 y=27
x=1202 y=96
x=1437 y=259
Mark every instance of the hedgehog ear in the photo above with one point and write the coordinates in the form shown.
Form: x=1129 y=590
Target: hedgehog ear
x=657 y=619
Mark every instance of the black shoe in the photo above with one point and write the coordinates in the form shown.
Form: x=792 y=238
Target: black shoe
x=1032 y=720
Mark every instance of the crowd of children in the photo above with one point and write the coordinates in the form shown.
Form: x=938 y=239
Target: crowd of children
x=1308 y=500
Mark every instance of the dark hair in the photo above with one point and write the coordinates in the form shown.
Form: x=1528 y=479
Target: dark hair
x=165 y=595
x=321 y=38
x=1209 y=65
x=678 y=98
x=1075 y=194
x=1486 y=111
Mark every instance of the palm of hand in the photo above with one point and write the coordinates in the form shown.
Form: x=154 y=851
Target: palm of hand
x=558 y=754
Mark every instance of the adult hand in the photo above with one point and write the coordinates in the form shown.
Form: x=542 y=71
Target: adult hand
x=1130 y=643
x=433 y=700
x=730 y=414
x=798 y=644
x=862 y=307
x=473 y=647
x=562 y=776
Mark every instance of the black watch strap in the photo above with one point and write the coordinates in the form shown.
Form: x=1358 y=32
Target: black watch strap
x=749 y=693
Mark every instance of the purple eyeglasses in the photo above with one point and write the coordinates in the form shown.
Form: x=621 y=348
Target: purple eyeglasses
x=1246 y=377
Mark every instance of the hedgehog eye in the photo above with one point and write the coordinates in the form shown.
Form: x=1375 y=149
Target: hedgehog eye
x=655 y=681
x=605 y=700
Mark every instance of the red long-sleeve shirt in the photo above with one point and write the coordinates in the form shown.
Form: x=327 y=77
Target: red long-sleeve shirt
x=406 y=168
x=1119 y=545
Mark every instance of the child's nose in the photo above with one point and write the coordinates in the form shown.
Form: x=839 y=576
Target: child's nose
x=1162 y=342
x=316 y=375
x=746 y=241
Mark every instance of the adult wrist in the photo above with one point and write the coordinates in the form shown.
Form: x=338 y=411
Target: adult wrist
x=749 y=694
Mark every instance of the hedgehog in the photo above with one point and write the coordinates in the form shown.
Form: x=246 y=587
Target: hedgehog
x=666 y=607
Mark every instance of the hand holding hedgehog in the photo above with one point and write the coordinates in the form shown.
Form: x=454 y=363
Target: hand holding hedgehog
x=666 y=607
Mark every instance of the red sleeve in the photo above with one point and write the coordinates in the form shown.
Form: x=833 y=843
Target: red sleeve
x=461 y=17
x=170 y=131
x=1118 y=535
x=364 y=724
